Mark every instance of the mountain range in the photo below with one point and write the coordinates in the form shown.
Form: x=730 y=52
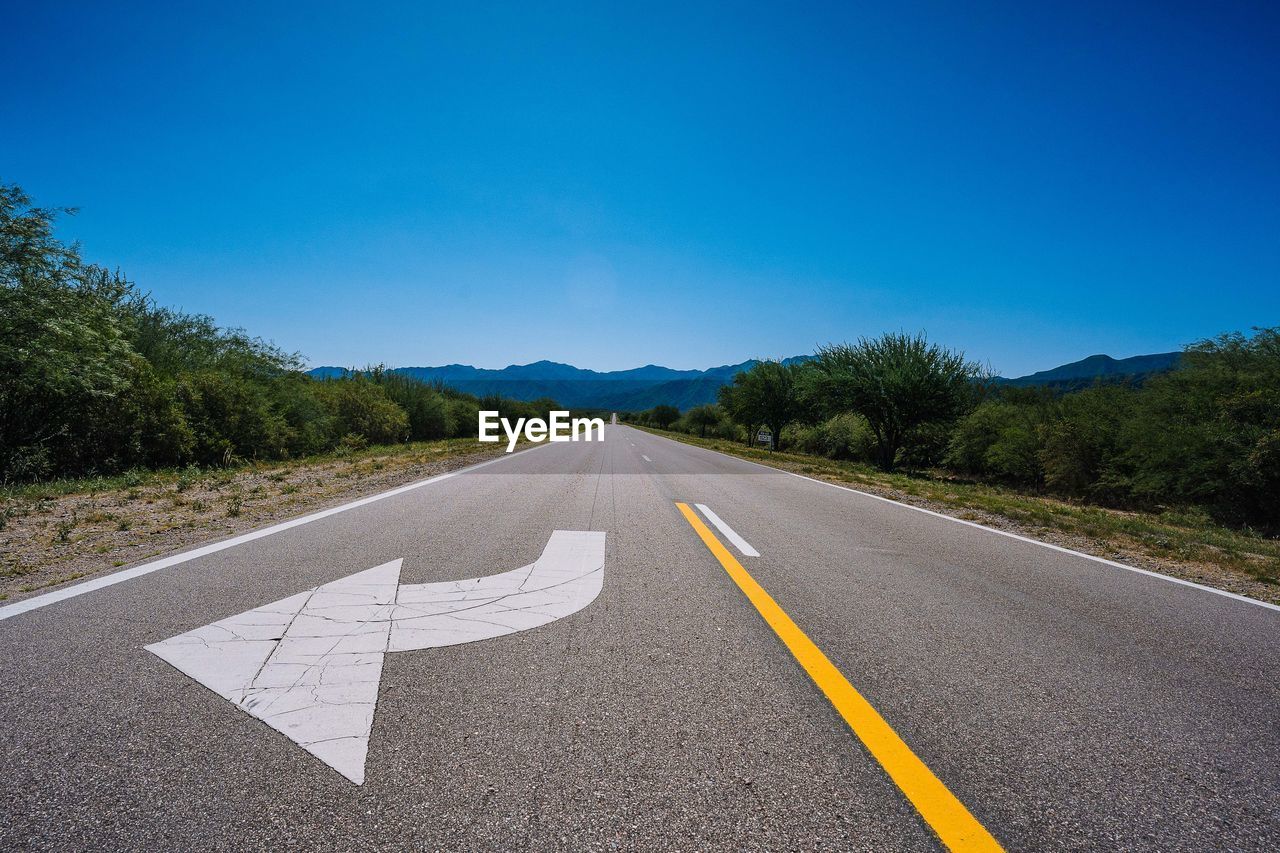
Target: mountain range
x=652 y=385
x=1087 y=371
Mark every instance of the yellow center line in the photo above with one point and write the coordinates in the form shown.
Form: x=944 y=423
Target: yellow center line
x=945 y=814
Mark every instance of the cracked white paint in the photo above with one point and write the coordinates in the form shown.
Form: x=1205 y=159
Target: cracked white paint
x=309 y=665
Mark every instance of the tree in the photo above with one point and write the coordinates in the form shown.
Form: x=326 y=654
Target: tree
x=703 y=417
x=768 y=394
x=663 y=416
x=900 y=383
x=736 y=402
x=1209 y=432
x=74 y=395
x=1001 y=438
x=95 y=377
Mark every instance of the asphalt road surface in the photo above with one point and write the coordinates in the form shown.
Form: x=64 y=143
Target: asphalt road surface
x=1056 y=702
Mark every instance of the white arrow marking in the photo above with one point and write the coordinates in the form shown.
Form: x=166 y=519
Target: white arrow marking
x=309 y=665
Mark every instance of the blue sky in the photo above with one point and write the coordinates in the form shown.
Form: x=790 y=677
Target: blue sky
x=617 y=184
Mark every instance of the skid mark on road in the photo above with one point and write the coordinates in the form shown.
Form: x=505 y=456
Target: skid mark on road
x=945 y=814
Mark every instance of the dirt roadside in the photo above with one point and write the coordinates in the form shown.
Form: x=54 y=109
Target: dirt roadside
x=52 y=539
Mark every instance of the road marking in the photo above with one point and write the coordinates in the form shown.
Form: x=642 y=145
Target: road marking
x=645 y=458
x=1222 y=592
x=1170 y=578
x=309 y=665
x=48 y=598
x=946 y=815
x=729 y=533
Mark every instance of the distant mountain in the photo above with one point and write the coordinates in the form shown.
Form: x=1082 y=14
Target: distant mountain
x=576 y=387
x=682 y=393
x=1089 y=370
x=327 y=372
x=652 y=385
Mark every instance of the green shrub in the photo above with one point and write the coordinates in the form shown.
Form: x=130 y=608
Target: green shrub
x=845 y=436
x=1000 y=439
x=425 y=406
x=1082 y=444
x=1209 y=433
x=362 y=408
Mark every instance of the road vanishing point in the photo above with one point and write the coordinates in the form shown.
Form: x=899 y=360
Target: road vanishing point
x=637 y=644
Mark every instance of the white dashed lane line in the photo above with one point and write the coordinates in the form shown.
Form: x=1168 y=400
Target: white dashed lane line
x=728 y=532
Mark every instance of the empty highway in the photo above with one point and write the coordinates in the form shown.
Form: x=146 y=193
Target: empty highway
x=637 y=644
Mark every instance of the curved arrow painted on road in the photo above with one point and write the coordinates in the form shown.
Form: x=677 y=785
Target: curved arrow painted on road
x=309 y=665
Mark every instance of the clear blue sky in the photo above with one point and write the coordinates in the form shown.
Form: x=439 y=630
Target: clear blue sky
x=689 y=185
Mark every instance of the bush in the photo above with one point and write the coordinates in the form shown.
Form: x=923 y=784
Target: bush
x=845 y=436
x=1082 y=444
x=425 y=406
x=69 y=380
x=925 y=446
x=1209 y=433
x=1000 y=439
x=362 y=408
x=700 y=418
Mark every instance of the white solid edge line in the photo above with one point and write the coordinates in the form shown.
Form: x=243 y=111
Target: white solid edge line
x=645 y=458
x=997 y=530
x=48 y=598
x=729 y=533
x=1171 y=579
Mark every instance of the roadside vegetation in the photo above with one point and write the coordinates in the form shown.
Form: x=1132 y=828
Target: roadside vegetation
x=1185 y=542
x=1185 y=466
x=96 y=379
x=61 y=530
x=122 y=421
x=128 y=429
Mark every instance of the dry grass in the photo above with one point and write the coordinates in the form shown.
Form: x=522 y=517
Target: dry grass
x=52 y=533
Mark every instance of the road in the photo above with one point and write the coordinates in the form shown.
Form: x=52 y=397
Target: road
x=1059 y=702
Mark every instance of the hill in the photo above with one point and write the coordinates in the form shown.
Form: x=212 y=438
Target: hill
x=576 y=387
x=645 y=387
x=1087 y=371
